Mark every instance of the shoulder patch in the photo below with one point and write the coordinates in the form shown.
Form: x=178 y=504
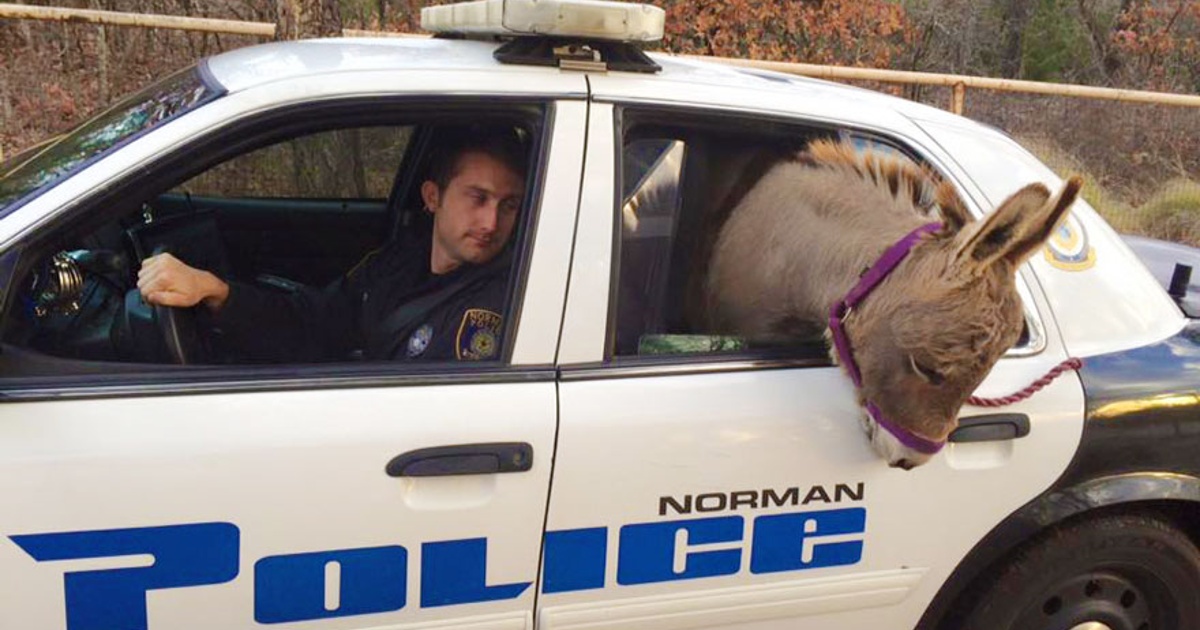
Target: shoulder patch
x=478 y=335
x=419 y=341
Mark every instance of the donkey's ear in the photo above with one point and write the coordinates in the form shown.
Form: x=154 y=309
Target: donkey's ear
x=954 y=213
x=1018 y=227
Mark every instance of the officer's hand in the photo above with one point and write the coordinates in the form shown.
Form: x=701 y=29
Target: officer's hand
x=168 y=281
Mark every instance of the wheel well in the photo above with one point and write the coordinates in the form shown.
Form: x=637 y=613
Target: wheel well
x=1181 y=514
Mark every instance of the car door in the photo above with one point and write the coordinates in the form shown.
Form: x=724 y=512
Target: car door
x=313 y=496
x=699 y=484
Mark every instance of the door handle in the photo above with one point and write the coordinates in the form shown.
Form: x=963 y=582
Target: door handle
x=991 y=427
x=463 y=459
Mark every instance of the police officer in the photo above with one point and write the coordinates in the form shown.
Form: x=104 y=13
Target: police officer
x=419 y=298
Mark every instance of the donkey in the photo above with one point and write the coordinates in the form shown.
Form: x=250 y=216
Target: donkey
x=800 y=238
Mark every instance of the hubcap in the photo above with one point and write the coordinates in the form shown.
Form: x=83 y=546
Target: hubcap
x=1100 y=600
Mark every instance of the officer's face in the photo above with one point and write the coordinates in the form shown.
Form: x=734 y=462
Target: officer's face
x=474 y=216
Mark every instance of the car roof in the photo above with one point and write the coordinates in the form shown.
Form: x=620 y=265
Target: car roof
x=253 y=66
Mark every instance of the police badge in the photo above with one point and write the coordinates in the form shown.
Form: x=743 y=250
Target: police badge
x=419 y=341
x=478 y=335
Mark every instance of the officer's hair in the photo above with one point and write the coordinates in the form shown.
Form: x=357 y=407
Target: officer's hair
x=504 y=144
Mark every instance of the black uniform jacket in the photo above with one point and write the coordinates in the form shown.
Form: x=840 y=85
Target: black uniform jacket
x=390 y=306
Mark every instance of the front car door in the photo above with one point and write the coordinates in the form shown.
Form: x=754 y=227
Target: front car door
x=702 y=484
x=145 y=495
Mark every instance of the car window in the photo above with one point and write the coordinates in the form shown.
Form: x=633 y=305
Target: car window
x=323 y=241
x=355 y=163
x=25 y=175
x=675 y=181
x=679 y=178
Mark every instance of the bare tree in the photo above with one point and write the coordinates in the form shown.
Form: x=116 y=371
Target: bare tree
x=1015 y=17
x=303 y=19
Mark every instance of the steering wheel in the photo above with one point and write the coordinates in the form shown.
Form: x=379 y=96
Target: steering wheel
x=178 y=328
x=195 y=239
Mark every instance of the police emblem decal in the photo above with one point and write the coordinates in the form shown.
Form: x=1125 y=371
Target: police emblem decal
x=419 y=341
x=478 y=335
x=1068 y=247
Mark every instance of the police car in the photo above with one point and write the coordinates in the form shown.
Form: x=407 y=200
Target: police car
x=610 y=468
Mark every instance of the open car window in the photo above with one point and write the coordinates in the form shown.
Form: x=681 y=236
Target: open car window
x=681 y=176
x=676 y=178
x=332 y=217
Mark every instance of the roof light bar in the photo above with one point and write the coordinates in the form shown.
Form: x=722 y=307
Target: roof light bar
x=588 y=19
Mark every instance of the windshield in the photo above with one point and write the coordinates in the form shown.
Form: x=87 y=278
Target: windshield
x=36 y=170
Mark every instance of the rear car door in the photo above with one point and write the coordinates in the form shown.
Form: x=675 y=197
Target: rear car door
x=334 y=495
x=699 y=484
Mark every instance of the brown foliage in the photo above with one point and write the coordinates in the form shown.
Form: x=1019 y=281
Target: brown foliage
x=1160 y=43
x=53 y=75
x=844 y=32
x=303 y=19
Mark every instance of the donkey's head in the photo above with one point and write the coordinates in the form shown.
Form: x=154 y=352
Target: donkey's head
x=927 y=336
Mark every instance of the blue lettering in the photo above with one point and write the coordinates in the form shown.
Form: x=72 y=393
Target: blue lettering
x=108 y=599
x=647 y=551
x=292 y=587
x=785 y=542
x=455 y=572
x=348 y=582
x=575 y=560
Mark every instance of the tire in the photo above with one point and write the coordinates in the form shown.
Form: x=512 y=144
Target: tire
x=1119 y=572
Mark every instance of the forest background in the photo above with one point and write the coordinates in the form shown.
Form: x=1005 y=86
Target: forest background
x=1141 y=162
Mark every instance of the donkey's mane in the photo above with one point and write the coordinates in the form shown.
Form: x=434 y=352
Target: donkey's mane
x=903 y=178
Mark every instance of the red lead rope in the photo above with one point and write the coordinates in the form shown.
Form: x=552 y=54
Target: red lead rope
x=1057 y=371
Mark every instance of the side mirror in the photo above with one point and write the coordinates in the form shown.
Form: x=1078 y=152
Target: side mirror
x=1181 y=279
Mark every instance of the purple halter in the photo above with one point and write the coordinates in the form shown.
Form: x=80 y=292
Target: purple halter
x=841 y=343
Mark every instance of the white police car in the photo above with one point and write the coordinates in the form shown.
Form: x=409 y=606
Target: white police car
x=611 y=468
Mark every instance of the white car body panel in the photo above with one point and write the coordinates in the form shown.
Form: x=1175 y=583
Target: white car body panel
x=586 y=318
x=278 y=466
x=327 y=59
x=542 y=306
x=690 y=84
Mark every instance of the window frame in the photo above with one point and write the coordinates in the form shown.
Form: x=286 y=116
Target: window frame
x=629 y=116
x=106 y=379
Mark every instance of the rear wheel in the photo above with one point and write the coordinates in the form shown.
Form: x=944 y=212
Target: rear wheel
x=1122 y=572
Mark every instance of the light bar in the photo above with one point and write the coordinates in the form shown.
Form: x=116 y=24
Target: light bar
x=586 y=19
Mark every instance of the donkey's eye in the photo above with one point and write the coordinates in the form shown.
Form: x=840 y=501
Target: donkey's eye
x=927 y=374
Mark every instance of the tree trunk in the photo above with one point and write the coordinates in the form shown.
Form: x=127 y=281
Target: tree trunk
x=305 y=19
x=101 y=58
x=1015 y=16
